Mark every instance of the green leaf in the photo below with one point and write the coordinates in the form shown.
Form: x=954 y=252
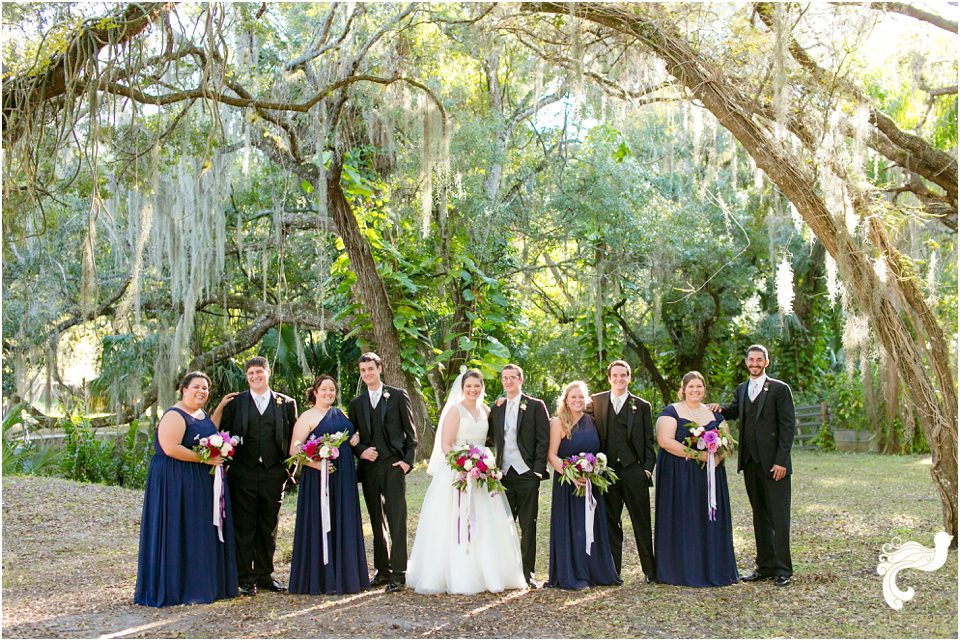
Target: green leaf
x=466 y=344
x=468 y=295
x=498 y=349
x=306 y=186
x=622 y=152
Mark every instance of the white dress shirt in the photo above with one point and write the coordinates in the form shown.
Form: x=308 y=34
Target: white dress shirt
x=618 y=401
x=511 y=451
x=755 y=385
x=375 y=395
x=261 y=400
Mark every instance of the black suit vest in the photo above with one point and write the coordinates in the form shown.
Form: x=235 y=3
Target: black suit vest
x=618 y=448
x=380 y=441
x=748 y=436
x=260 y=440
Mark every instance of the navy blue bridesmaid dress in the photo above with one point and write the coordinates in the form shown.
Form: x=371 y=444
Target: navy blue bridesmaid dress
x=346 y=572
x=571 y=568
x=181 y=557
x=691 y=549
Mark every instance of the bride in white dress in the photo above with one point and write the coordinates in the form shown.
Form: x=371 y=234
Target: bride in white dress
x=488 y=558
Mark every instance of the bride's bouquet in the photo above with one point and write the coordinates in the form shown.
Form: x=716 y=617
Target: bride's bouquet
x=474 y=465
x=325 y=447
x=588 y=467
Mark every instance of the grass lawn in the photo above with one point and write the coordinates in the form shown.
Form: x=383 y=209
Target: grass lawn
x=70 y=555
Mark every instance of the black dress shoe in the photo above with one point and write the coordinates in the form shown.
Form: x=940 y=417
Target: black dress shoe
x=649 y=579
x=248 y=589
x=782 y=581
x=379 y=579
x=755 y=576
x=533 y=584
x=393 y=586
x=273 y=586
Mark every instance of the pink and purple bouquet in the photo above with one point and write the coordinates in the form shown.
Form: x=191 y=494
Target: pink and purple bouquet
x=718 y=441
x=588 y=467
x=475 y=465
x=217 y=444
x=325 y=447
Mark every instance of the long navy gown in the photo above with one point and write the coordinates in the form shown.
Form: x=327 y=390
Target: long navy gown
x=181 y=557
x=571 y=568
x=346 y=572
x=691 y=549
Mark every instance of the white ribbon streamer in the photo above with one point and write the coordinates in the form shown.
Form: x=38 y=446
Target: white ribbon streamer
x=217 y=493
x=466 y=509
x=325 y=506
x=590 y=508
x=711 y=487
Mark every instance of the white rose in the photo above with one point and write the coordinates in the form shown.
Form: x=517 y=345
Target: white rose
x=324 y=452
x=601 y=458
x=725 y=442
x=701 y=445
x=216 y=440
x=226 y=449
x=468 y=464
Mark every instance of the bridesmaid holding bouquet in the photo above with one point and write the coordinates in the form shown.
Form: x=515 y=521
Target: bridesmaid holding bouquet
x=328 y=551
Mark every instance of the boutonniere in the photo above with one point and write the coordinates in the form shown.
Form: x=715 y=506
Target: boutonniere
x=279 y=400
x=523 y=405
x=766 y=386
x=633 y=404
x=386 y=395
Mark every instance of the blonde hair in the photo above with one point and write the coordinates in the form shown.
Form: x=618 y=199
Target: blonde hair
x=563 y=410
x=689 y=376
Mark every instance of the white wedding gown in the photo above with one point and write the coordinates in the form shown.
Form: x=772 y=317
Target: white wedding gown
x=488 y=560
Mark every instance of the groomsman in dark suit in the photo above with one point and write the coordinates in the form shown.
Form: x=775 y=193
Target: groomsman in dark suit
x=383 y=417
x=519 y=431
x=763 y=407
x=263 y=420
x=625 y=424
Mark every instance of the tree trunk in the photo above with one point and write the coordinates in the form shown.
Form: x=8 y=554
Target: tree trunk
x=667 y=393
x=792 y=174
x=373 y=295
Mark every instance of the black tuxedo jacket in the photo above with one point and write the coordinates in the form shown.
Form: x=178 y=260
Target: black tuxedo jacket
x=237 y=413
x=774 y=422
x=533 y=433
x=639 y=426
x=396 y=416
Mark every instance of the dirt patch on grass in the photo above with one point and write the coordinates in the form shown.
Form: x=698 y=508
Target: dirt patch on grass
x=70 y=563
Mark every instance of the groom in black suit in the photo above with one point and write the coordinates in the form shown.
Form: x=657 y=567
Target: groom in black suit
x=625 y=424
x=763 y=407
x=383 y=418
x=263 y=420
x=519 y=431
